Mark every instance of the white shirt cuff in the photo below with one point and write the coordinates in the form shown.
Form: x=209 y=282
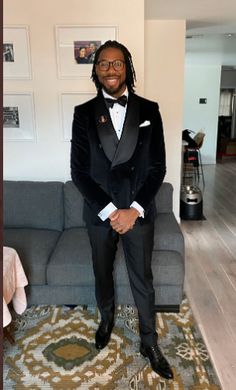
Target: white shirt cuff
x=108 y=209
x=138 y=208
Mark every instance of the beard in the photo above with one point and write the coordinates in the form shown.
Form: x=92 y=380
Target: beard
x=114 y=91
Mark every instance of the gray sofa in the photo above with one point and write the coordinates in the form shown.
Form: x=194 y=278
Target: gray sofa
x=43 y=222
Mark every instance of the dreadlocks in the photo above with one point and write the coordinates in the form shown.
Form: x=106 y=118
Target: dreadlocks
x=130 y=72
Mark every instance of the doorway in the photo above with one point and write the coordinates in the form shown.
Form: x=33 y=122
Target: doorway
x=226 y=138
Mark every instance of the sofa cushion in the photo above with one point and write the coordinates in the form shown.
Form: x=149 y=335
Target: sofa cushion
x=74 y=215
x=167 y=234
x=37 y=205
x=71 y=262
x=73 y=206
x=34 y=247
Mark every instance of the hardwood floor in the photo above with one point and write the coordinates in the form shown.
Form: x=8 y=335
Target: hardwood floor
x=210 y=281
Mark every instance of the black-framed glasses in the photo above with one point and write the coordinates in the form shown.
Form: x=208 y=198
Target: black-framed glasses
x=105 y=65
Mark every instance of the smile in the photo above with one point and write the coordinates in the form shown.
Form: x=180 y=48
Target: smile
x=112 y=81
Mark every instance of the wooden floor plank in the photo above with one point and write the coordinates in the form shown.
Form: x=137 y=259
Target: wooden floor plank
x=230 y=273
x=212 y=255
x=225 y=233
x=210 y=280
x=211 y=322
x=215 y=261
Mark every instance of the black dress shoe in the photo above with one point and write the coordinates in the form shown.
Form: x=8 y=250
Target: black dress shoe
x=158 y=362
x=103 y=334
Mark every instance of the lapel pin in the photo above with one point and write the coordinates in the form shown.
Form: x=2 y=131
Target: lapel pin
x=102 y=119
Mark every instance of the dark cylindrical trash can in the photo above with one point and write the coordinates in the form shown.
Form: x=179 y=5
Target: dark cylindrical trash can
x=191 y=203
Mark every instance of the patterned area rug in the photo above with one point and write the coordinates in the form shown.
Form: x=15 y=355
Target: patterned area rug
x=54 y=349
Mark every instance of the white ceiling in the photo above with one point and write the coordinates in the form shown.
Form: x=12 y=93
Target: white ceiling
x=202 y=16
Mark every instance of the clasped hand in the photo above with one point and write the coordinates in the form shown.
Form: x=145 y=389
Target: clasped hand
x=123 y=220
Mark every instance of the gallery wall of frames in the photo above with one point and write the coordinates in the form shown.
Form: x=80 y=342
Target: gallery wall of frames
x=47 y=54
x=75 y=50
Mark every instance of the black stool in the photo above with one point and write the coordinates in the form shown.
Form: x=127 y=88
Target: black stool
x=193 y=165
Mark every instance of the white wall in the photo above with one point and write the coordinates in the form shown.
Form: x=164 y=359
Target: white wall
x=164 y=83
x=204 y=59
x=211 y=49
x=203 y=81
x=48 y=157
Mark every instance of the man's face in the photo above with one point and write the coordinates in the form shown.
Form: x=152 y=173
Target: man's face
x=113 y=81
x=92 y=48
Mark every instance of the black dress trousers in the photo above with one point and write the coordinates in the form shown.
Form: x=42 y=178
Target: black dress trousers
x=138 y=245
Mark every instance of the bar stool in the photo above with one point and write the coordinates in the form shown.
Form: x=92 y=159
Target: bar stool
x=193 y=165
x=193 y=168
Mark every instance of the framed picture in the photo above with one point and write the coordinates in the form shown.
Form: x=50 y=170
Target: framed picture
x=76 y=46
x=68 y=101
x=18 y=117
x=16 y=53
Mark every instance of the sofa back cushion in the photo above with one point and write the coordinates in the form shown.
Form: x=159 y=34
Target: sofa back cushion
x=164 y=198
x=73 y=206
x=33 y=204
x=73 y=203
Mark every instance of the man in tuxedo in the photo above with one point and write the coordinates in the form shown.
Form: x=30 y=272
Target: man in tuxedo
x=93 y=48
x=118 y=164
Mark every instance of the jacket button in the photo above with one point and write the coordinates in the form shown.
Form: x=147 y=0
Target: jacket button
x=100 y=146
x=132 y=168
x=132 y=192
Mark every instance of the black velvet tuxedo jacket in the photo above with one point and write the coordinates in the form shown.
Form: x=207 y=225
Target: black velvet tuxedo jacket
x=106 y=169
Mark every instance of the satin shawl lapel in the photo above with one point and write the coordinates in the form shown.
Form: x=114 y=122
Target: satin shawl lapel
x=116 y=152
x=106 y=131
x=130 y=132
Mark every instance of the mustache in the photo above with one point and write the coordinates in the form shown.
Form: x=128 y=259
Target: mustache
x=115 y=76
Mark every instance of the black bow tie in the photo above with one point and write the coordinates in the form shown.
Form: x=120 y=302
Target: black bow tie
x=122 y=100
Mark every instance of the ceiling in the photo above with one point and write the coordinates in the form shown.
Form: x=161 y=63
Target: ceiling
x=202 y=16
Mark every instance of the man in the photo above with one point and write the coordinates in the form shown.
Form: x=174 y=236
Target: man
x=118 y=164
x=92 y=48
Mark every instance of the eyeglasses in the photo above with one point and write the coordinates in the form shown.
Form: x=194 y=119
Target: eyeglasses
x=105 y=65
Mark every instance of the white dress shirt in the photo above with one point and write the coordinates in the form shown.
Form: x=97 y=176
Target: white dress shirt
x=117 y=113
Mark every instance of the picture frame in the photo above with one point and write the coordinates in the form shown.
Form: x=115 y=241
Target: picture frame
x=18 y=117
x=68 y=101
x=71 y=41
x=16 y=53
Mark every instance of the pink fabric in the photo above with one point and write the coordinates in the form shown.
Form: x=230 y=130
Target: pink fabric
x=14 y=280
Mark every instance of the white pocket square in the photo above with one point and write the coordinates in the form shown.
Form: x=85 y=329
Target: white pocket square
x=145 y=123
